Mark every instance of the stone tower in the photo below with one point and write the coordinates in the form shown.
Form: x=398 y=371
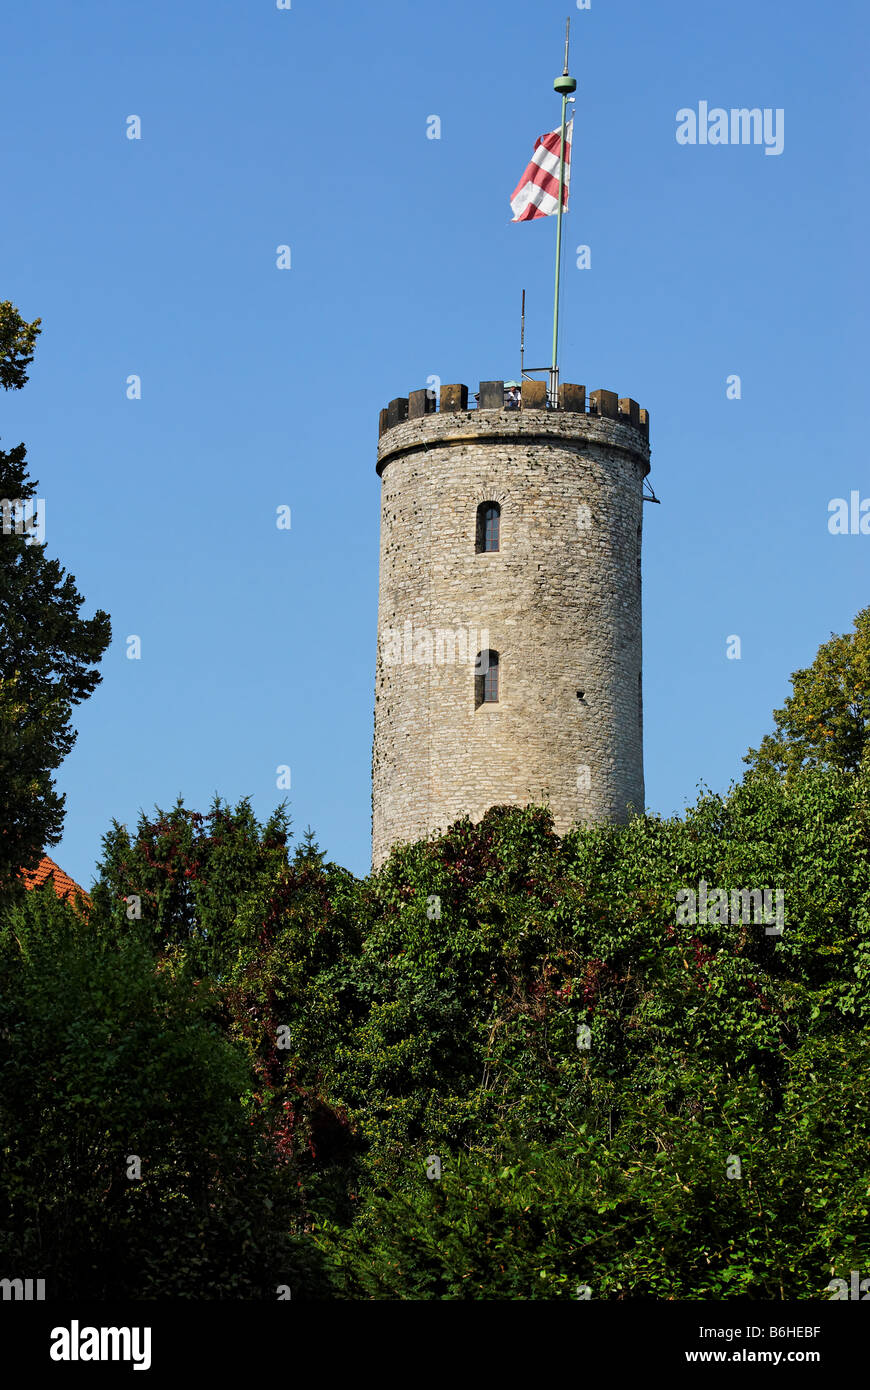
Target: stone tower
x=509 y=618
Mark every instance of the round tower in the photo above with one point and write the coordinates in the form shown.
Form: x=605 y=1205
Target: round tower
x=509 y=616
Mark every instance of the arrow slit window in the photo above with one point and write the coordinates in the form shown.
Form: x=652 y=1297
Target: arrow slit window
x=488 y=527
x=486 y=679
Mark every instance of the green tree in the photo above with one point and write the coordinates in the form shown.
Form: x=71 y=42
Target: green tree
x=221 y=890
x=107 y=1056
x=193 y=877
x=17 y=340
x=826 y=720
x=47 y=650
x=708 y=1141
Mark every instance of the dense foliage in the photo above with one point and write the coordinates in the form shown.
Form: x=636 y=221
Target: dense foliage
x=130 y=1166
x=288 y=1048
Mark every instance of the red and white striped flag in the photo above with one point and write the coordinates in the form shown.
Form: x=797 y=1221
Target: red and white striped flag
x=537 y=193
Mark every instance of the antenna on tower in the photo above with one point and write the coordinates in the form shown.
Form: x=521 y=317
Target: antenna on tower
x=522 y=336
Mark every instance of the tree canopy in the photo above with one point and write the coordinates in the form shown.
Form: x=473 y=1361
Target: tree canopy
x=825 y=722
x=618 y=1102
x=17 y=340
x=48 y=651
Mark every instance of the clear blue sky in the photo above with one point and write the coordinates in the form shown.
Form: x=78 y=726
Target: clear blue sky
x=262 y=387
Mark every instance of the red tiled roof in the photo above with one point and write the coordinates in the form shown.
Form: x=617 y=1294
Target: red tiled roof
x=64 y=886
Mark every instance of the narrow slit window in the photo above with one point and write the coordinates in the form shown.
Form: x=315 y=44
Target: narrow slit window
x=486 y=681
x=488 y=527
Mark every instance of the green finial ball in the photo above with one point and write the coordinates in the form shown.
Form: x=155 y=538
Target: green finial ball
x=564 y=85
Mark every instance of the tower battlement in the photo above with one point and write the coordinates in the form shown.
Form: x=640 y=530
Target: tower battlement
x=492 y=398
x=412 y=422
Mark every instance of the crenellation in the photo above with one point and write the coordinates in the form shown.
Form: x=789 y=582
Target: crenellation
x=491 y=395
x=572 y=397
x=397 y=411
x=421 y=403
x=491 y=398
x=454 y=397
x=604 y=403
x=534 y=394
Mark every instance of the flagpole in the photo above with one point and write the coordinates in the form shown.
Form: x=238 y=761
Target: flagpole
x=565 y=85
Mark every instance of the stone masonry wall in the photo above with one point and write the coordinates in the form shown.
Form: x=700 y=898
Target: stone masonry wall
x=560 y=600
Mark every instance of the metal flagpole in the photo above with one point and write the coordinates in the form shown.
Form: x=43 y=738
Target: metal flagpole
x=565 y=85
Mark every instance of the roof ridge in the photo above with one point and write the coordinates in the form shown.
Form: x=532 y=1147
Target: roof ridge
x=65 y=887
